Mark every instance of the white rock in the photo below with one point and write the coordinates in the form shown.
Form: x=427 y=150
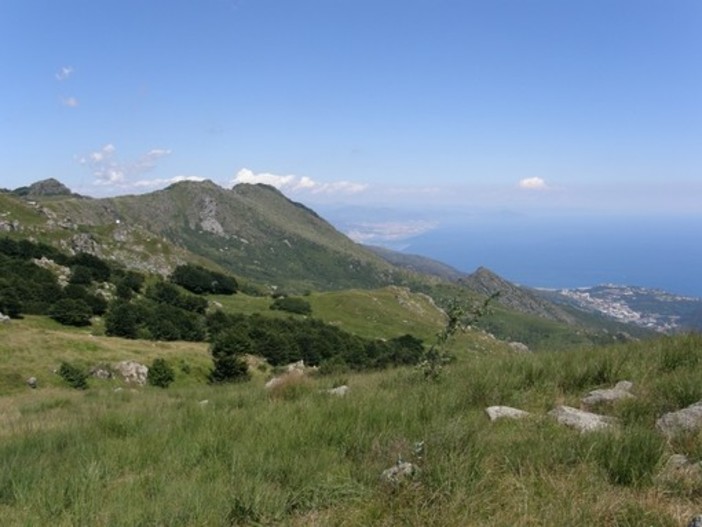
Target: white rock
x=581 y=420
x=686 y=420
x=608 y=395
x=339 y=391
x=132 y=372
x=400 y=472
x=505 y=412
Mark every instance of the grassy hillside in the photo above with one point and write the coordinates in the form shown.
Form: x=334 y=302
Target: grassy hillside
x=300 y=457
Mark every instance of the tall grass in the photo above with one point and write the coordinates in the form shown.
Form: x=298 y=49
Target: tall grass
x=303 y=457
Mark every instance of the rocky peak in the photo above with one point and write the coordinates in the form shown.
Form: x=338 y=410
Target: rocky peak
x=45 y=187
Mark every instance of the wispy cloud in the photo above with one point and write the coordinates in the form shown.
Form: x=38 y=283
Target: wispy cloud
x=70 y=102
x=109 y=170
x=160 y=182
x=64 y=73
x=298 y=183
x=533 y=183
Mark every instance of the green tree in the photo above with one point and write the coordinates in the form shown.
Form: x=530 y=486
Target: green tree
x=71 y=312
x=228 y=350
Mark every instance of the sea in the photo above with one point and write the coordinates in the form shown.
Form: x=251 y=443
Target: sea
x=555 y=253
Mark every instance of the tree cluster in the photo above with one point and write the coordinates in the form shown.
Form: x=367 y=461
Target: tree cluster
x=199 y=280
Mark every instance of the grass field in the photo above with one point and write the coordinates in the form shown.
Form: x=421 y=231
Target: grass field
x=149 y=456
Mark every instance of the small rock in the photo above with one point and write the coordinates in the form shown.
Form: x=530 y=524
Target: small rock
x=339 y=391
x=608 y=395
x=32 y=382
x=101 y=372
x=280 y=379
x=400 y=472
x=696 y=521
x=118 y=389
x=204 y=402
x=505 y=412
x=686 y=420
x=581 y=420
x=4 y=319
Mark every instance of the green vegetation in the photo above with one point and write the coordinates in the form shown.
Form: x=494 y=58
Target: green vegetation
x=160 y=373
x=292 y=304
x=302 y=457
x=199 y=280
x=73 y=375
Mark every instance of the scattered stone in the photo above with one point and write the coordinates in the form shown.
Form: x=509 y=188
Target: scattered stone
x=101 y=371
x=686 y=420
x=505 y=412
x=32 y=383
x=679 y=467
x=204 y=402
x=519 y=347
x=118 y=389
x=581 y=420
x=339 y=391
x=132 y=372
x=400 y=472
x=696 y=521
x=4 y=319
x=608 y=395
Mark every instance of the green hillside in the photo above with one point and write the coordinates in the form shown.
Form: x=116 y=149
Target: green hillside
x=195 y=454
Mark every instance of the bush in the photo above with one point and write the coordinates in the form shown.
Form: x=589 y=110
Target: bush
x=292 y=305
x=71 y=312
x=228 y=351
x=160 y=373
x=199 y=280
x=73 y=375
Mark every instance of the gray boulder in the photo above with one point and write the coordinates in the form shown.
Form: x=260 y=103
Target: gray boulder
x=101 y=371
x=505 y=412
x=132 y=372
x=4 y=319
x=581 y=420
x=696 y=521
x=32 y=382
x=608 y=395
x=519 y=347
x=402 y=471
x=686 y=420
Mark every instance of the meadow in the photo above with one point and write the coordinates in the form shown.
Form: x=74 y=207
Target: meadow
x=196 y=454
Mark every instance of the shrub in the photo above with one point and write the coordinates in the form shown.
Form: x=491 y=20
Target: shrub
x=71 y=312
x=160 y=373
x=228 y=351
x=292 y=305
x=75 y=377
x=199 y=280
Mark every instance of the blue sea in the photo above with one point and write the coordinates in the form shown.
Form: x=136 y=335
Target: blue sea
x=566 y=253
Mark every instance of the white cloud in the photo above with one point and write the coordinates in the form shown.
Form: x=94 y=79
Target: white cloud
x=533 y=183
x=108 y=170
x=152 y=183
x=297 y=184
x=64 y=73
x=71 y=102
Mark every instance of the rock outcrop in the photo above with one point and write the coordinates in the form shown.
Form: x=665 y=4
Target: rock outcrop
x=132 y=372
x=402 y=471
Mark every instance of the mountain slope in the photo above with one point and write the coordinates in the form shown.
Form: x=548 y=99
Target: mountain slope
x=250 y=230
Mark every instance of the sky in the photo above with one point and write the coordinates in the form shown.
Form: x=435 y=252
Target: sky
x=516 y=106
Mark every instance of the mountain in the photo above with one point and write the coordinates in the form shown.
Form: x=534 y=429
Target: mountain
x=44 y=188
x=418 y=264
x=647 y=308
x=253 y=231
x=520 y=299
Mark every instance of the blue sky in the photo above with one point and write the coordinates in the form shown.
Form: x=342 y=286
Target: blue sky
x=567 y=106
